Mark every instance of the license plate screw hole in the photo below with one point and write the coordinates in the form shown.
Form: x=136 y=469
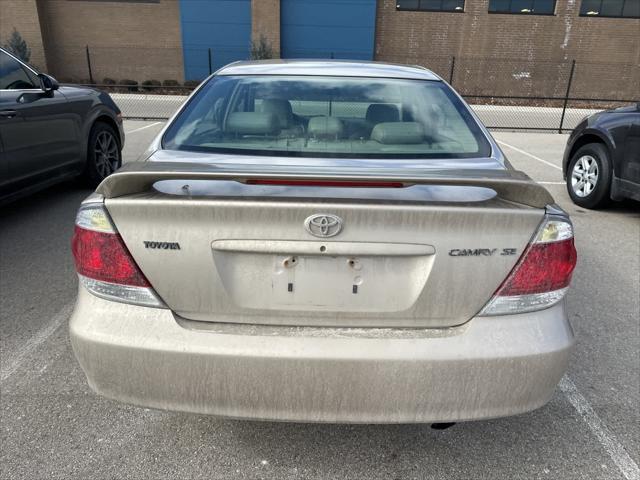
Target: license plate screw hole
x=323 y=249
x=354 y=263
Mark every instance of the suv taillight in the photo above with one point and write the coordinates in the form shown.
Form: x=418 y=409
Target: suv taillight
x=542 y=275
x=104 y=265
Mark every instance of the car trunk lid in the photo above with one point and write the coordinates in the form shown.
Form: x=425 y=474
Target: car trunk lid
x=236 y=243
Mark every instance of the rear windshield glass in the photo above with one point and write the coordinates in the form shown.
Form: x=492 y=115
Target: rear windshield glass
x=327 y=116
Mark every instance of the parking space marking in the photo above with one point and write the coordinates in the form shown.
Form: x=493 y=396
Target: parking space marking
x=616 y=451
x=6 y=370
x=551 y=183
x=528 y=154
x=142 y=128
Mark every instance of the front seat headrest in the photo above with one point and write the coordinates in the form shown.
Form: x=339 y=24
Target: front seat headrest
x=382 y=112
x=280 y=108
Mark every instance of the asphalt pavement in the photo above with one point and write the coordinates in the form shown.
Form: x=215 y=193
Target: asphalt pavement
x=53 y=426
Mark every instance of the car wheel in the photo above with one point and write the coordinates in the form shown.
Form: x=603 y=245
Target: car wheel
x=103 y=156
x=589 y=176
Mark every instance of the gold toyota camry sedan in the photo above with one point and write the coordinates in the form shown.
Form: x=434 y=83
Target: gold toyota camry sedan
x=324 y=241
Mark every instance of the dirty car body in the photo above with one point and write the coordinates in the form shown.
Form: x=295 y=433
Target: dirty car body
x=324 y=242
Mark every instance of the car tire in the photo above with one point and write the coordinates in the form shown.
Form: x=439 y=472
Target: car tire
x=103 y=153
x=589 y=176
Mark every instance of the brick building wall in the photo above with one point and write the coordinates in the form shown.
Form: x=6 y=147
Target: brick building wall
x=495 y=54
x=23 y=16
x=265 y=20
x=127 y=40
x=505 y=54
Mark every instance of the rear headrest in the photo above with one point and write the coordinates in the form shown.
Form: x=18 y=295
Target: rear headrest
x=398 y=133
x=280 y=108
x=252 y=123
x=382 y=112
x=323 y=127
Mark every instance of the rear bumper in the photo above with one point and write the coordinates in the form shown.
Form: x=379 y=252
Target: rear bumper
x=489 y=367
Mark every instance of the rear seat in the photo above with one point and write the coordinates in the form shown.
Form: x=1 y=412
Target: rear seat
x=252 y=123
x=324 y=128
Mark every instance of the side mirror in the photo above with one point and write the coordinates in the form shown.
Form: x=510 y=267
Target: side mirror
x=49 y=84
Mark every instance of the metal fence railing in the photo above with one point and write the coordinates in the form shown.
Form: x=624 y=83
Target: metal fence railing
x=551 y=114
x=515 y=94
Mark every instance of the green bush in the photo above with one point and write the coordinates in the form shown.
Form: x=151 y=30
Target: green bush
x=170 y=83
x=149 y=85
x=108 y=81
x=132 y=85
x=192 y=83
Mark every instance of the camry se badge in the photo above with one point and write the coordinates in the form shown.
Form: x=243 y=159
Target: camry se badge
x=323 y=225
x=478 y=252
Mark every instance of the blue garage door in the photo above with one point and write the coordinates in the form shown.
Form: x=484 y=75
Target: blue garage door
x=224 y=26
x=327 y=28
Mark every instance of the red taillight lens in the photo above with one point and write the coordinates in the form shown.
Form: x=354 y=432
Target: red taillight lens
x=104 y=257
x=544 y=267
x=542 y=275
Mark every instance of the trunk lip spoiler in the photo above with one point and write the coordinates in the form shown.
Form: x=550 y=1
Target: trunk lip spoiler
x=512 y=185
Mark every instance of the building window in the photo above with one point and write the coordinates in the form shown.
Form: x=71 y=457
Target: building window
x=431 y=5
x=610 y=8
x=527 y=7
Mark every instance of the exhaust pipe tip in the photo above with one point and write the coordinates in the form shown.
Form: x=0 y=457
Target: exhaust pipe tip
x=442 y=426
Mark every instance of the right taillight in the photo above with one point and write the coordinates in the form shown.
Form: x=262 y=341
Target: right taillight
x=103 y=262
x=541 y=276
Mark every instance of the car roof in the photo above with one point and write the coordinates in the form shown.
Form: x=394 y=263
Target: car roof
x=339 y=68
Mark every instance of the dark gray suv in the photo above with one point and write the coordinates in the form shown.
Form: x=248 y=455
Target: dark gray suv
x=51 y=132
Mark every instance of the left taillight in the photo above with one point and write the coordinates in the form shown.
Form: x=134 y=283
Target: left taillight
x=542 y=275
x=103 y=262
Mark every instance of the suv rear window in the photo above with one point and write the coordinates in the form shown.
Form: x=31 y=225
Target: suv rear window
x=327 y=116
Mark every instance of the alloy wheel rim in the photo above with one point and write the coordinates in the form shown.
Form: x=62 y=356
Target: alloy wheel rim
x=106 y=154
x=584 y=176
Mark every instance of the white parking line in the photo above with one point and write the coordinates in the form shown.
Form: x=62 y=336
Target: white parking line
x=616 y=451
x=551 y=183
x=6 y=370
x=529 y=155
x=142 y=128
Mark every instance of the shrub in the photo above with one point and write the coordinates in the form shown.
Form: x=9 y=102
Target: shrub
x=149 y=85
x=132 y=85
x=192 y=83
x=108 y=81
x=170 y=83
x=261 y=50
x=18 y=46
